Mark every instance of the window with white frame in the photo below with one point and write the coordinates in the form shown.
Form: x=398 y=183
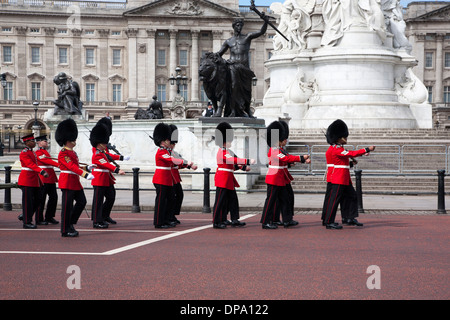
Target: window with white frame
x=428 y=59
x=446 y=94
x=35 y=55
x=117 y=92
x=90 y=92
x=447 y=60
x=90 y=56
x=430 y=93
x=35 y=91
x=116 y=57
x=161 y=92
x=161 y=58
x=62 y=55
x=183 y=59
x=184 y=91
x=8 y=91
x=7 y=54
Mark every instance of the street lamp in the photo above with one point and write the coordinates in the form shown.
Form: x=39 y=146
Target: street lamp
x=3 y=79
x=254 y=81
x=178 y=79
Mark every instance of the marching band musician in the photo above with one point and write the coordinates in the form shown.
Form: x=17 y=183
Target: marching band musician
x=224 y=180
x=103 y=182
x=163 y=179
x=69 y=179
x=29 y=181
x=339 y=184
x=45 y=162
x=278 y=177
x=178 y=193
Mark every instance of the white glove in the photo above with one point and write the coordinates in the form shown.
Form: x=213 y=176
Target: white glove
x=90 y=176
x=126 y=158
x=91 y=166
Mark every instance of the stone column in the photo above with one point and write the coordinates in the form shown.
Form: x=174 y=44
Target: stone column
x=439 y=98
x=151 y=63
x=21 y=83
x=132 y=67
x=172 y=62
x=51 y=63
x=194 y=64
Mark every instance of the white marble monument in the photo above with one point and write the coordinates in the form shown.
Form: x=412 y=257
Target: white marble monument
x=348 y=60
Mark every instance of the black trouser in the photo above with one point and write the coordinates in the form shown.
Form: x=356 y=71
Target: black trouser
x=102 y=210
x=50 y=190
x=226 y=201
x=70 y=213
x=290 y=208
x=30 y=203
x=178 y=199
x=277 y=199
x=336 y=194
x=163 y=204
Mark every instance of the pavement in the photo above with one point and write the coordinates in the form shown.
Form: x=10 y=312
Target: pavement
x=305 y=203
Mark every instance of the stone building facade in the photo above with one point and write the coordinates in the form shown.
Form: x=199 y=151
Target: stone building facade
x=121 y=54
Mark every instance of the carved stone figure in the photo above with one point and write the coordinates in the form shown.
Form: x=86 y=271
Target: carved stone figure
x=68 y=101
x=154 y=111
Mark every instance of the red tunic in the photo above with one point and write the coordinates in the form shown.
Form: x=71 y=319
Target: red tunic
x=226 y=161
x=338 y=164
x=29 y=176
x=175 y=168
x=69 y=177
x=45 y=162
x=164 y=163
x=278 y=173
x=103 y=172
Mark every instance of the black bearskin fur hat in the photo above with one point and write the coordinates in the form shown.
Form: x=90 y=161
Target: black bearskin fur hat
x=283 y=133
x=224 y=133
x=162 y=132
x=67 y=130
x=107 y=122
x=338 y=129
x=99 y=134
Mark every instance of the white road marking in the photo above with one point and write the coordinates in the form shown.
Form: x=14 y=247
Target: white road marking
x=171 y=234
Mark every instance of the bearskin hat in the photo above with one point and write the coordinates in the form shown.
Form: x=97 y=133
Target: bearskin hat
x=224 y=133
x=173 y=133
x=338 y=129
x=67 y=130
x=277 y=129
x=107 y=122
x=162 y=132
x=99 y=134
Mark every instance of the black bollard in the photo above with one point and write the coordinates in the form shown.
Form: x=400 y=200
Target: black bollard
x=358 y=174
x=206 y=196
x=7 y=206
x=441 y=192
x=135 y=208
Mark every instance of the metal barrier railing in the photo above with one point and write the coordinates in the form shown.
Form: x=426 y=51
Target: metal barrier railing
x=7 y=206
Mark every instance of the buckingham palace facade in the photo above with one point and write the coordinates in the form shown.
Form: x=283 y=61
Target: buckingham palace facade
x=121 y=54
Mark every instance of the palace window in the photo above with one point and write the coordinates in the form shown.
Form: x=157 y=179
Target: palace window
x=90 y=92
x=447 y=94
x=35 y=54
x=116 y=57
x=183 y=58
x=7 y=54
x=8 y=91
x=447 y=60
x=430 y=93
x=161 y=92
x=117 y=92
x=161 y=57
x=62 y=55
x=428 y=59
x=35 y=91
x=90 y=56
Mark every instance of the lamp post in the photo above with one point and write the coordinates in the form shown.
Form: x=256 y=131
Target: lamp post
x=178 y=79
x=3 y=82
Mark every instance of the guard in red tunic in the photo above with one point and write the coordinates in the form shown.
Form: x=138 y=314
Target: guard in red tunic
x=29 y=181
x=224 y=180
x=278 y=178
x=178 y=193
x=69 y=179
x=340 y=189
x=163 y=179
x=103 y=182
x=45 y=162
